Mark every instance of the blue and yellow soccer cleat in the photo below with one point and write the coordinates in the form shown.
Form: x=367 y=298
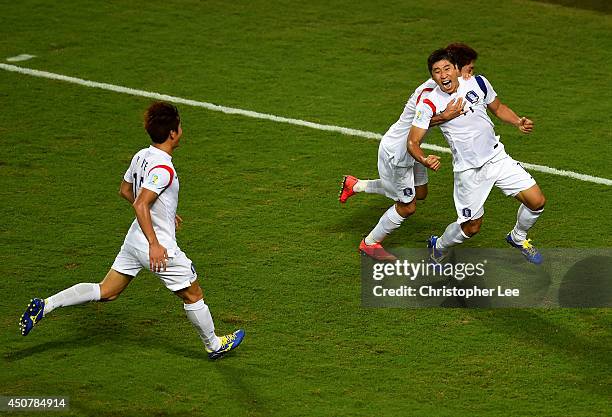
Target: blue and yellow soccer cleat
x=228 y=342
x=527 y=249
x=32 y=315
x=436 y=255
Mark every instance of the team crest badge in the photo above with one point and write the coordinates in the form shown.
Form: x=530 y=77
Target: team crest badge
x=472 y=97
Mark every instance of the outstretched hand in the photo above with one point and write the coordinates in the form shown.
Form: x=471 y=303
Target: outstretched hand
x=525 y=125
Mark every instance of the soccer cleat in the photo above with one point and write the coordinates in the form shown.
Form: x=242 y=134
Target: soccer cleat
x=228 y=342
x=436 y=255
x=32 y=315
x=527 y=249
x=376 y=251
x=347 y=188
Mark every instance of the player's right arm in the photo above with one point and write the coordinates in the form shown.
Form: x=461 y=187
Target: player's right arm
x=420 y=124
x=126 y=191
x=415 y=137
x=158 y=255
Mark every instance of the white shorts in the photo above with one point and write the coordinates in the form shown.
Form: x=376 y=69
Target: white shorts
x=473 y=186
x=399 y=181
x=179 y=273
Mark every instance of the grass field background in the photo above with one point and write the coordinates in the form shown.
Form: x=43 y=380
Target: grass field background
x=275 y=251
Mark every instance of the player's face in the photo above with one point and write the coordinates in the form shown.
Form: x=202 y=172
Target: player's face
x=467 y=70
x=446 y=75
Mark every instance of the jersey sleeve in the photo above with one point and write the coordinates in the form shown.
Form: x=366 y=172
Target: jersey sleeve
x=491 y=94
x=420 y=94
x=159 y=178
x=423 y=115
x=129 y=174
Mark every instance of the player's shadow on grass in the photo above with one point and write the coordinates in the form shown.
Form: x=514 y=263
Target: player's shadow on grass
x=587 y=283
x=529 y=326
x=84 y=333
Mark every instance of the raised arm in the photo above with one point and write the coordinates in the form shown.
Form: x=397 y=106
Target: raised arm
x=505 y=114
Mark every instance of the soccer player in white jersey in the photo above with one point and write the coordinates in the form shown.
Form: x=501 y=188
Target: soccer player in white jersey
x=151 y=185
x=479 y=159
x=401 y=178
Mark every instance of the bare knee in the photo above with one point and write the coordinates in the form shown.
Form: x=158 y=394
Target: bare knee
x=405 y=209
x=108 y=294
x=191 y=294
x=113 y=285
x=537 y=203
x=421 y=192
x=471 y=227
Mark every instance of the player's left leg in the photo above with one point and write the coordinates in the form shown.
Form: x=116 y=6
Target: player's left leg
x=391 y=220
x=517 y=182
x=180 y=277
x=399 y=185
x=529 y=211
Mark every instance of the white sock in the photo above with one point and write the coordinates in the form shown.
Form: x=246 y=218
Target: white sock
x=77 y=294
x=389 y=221
x=453 y=235
x=369 y=186
x=525 y=219
x=199 y=315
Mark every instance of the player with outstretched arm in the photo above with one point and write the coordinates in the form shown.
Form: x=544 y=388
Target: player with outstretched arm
x=400 y=177
x=479 y=159
x=151 y=185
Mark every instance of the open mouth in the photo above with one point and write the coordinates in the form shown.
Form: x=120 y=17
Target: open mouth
x=446 y=84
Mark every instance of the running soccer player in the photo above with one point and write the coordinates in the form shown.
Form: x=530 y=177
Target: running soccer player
x=479 y=159
x=401 y=178
x=151 y=185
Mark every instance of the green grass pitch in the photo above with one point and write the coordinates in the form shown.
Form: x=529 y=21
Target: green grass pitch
x=275 y=251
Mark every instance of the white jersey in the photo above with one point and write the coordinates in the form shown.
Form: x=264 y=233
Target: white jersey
x=394 y=142
x=471 y=136
x=152 y=168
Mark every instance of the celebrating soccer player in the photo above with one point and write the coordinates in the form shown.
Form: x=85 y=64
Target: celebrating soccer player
x=151 y=185
x=401 y=178
x=479 y=159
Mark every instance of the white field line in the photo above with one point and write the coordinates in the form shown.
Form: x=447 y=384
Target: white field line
x=257 y=115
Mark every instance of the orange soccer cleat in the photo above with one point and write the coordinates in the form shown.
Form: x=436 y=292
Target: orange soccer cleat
x=347 y=188
x=376 y=251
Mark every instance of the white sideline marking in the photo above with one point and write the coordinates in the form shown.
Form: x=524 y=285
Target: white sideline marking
x=257 y=115
x=19 y=58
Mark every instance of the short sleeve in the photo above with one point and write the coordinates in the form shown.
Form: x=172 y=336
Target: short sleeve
x=423 y=115
x=491 y=94
x=128 y=176
x=159 y=178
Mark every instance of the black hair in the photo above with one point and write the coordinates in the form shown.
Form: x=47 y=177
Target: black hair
x=463 y=53
x=439 y=55
x=160 y=119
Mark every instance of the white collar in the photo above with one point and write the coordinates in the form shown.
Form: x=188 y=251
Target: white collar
x=159 y=152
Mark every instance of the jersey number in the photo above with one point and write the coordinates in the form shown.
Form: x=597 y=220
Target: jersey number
x=137 y=184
